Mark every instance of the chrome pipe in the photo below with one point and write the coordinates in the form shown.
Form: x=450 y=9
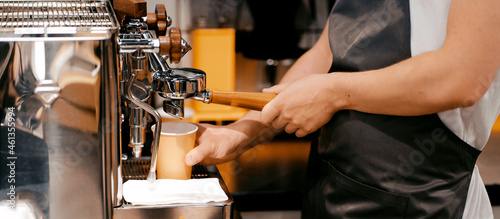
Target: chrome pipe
x=156 y=139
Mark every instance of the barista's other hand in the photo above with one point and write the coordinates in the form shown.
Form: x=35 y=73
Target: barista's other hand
x=302 y=106
x=218 y=144
x=215 y=144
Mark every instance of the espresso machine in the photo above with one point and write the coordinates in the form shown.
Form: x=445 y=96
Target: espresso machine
x=76 y=82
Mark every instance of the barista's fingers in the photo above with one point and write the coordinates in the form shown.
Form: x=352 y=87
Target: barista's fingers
x=276 y=88
x=198 y=154
x=269 y=113
x=291 y=128
x=279 y=122
x=301 y=133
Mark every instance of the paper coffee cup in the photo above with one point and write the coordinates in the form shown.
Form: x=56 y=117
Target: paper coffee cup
x=176 y=140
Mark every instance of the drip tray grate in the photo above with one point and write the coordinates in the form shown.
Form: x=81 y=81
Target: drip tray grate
x=138 y=169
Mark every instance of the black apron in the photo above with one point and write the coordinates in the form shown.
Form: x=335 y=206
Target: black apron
x=380 y=166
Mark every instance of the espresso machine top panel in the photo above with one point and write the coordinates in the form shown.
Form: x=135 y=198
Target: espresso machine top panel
x=56 y=20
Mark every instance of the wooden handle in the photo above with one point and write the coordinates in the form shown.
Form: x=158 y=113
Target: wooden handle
x=248 y=100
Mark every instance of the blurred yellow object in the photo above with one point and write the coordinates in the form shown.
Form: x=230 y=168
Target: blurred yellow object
x=496 y=126
x=214 y=53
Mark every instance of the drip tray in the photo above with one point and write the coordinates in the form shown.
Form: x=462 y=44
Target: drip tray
x=138 y=168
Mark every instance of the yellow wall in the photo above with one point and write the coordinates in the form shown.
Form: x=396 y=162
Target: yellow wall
x=214 y=53
x=496 y=126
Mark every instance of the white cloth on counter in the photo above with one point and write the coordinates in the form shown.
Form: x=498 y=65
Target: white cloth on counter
x=172 y=191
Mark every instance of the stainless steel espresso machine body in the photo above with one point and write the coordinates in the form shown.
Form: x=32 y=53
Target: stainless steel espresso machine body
x=59 y=102
x=74 y=82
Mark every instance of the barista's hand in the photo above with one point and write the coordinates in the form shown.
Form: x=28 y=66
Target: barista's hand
x=218 y=144
x=276 y=88
x=302 y=106
x=215 y=144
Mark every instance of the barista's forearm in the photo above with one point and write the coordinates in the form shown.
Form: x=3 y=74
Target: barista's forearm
x=256 y=131
x=412 y=87
x=425 y=84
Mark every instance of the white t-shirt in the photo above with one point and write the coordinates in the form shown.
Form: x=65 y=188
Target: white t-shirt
x=472 y=124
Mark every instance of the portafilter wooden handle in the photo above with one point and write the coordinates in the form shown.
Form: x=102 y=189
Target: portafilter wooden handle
x=248 y=100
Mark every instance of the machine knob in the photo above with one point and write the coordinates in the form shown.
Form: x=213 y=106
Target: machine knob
x=171 y=45
x=159 y=20
x=176 y=50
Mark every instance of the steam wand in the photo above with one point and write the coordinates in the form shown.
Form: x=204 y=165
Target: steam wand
x=156 y=139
